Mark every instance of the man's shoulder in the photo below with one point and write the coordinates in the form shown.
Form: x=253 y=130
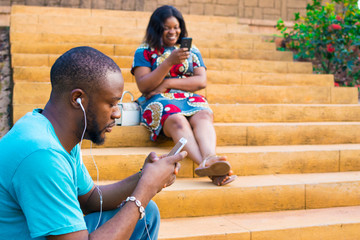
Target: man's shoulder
x=31 y=133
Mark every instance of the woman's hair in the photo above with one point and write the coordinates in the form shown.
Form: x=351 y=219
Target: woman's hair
x=155 y=28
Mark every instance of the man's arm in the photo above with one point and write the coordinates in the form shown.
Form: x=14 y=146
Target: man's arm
x=154 y=176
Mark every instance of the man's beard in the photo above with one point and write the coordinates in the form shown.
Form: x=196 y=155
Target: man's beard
x=93 y=130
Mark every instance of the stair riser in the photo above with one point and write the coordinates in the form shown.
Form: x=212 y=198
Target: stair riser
x=42 y=74
x=111 y=31
x=217 y=64
x=258 y=113
x=212 y=64
x=46 y=38
x=40 y=54
x=330 y=224
x=56 y=11
x=240 y=135
x=279 y=95
x=256 y=199
x=117 y=167
x=126 y=22
x=38 y=93
x=332 y=232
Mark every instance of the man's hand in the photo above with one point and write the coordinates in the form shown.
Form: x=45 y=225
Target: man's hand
x=159 y=172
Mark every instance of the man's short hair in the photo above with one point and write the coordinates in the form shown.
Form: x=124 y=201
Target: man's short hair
x=80 y=67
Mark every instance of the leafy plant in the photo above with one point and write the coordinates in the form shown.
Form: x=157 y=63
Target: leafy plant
x=329 y=36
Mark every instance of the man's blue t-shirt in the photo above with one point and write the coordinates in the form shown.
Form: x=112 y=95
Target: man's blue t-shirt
x=39 y=182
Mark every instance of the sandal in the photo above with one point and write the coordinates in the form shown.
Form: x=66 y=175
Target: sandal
x=219 y=168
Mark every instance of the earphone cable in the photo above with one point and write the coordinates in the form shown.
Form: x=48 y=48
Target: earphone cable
x=85 y=125
x=97 y=170
x=97 y=186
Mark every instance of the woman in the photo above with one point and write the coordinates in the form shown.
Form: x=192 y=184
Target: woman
x=167 y=76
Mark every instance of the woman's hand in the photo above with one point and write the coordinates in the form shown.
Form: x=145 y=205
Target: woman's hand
x=159 y=89
x=178 y=56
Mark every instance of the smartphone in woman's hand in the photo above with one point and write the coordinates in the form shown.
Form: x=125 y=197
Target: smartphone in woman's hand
x=186 y=43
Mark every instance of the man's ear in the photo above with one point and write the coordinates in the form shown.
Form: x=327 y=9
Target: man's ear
x=77 y=98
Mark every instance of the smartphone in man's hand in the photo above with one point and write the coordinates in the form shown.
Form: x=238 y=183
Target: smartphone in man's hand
x=178 y=147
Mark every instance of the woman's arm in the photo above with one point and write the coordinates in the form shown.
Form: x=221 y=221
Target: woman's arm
x=148 y=80
x=189 y=84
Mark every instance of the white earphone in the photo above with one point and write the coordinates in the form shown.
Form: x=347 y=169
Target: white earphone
x=78 y=100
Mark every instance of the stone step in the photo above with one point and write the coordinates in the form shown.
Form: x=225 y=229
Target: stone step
x=42 y=74
x=101 y=13
x=328 y=223
x=234 y=65
x=244 y=41
x=199 y=34
x=269 y=79
x=262 y=193
x=193 y=23
x=39 y=92
x=40 y=54
x=260 y=112
x=118 y=163
x=248 y=134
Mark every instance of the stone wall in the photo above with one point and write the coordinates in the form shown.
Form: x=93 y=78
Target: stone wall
x=250 y=9
x=5 y=82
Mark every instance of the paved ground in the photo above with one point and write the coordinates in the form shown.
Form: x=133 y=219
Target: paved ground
x=5 y=82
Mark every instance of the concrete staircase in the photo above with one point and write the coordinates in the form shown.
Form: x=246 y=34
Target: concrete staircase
x=293 y=139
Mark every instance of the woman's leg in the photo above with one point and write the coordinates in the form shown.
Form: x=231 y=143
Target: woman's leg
x=200 y=133
x=205 y=135
x=177 y=126
x=204 y=132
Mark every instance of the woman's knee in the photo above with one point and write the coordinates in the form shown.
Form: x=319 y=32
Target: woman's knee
x=203 y=115
x=175 y=122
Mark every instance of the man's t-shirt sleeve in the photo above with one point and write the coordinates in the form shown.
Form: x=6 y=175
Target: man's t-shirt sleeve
x=46 y=187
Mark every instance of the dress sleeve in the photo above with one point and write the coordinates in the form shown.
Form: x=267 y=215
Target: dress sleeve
x=45 y=184
x=142 y=58
x=197 y=58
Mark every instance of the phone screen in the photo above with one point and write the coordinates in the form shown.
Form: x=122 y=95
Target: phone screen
x=186 y=43
x=178 y=147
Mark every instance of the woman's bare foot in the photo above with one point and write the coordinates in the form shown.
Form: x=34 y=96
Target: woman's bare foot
x=223 y=180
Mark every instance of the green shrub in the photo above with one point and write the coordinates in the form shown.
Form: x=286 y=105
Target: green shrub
x=329 y=36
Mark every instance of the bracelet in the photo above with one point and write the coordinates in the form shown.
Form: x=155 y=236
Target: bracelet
x=140 y=173
x=138 y=204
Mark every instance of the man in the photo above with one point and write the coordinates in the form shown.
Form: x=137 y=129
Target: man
x=45 y=188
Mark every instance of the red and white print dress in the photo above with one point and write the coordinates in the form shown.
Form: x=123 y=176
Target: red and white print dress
x=158 y=108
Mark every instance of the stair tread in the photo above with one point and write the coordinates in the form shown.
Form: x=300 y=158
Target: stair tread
x=188 y=184
x=221 y=149
x=181 y=228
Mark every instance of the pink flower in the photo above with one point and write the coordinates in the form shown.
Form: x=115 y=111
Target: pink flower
x=338 y=18
x=336 y=84
x=336 y=26
x=330 y=48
